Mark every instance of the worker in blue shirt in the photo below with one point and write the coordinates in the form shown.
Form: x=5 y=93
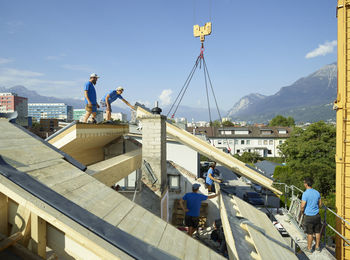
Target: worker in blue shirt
x=110 y=97
x=310 y=206
x=193 y=201
x=209 y=180
x=90 y=98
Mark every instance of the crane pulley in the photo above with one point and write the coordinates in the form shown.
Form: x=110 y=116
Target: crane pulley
x=202 y=31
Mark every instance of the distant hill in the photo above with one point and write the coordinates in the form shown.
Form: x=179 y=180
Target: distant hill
x=34 y=97
x=308 y=99
x=183 y=111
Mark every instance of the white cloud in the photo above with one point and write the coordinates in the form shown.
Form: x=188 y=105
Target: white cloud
x=77 y=67
x=5 y=60
x=322 y=50
x=9 y=72
x=165 y=97
x=10 y=77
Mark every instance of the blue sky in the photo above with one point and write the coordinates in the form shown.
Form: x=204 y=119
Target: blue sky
x=148 y=46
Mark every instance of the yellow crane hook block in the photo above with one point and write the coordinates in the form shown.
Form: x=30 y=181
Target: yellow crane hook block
x=202 y=31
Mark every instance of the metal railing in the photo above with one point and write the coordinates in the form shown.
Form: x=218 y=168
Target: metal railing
x=294 y=211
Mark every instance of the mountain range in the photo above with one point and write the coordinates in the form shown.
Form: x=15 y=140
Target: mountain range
x=308 y=99
x=34 y=97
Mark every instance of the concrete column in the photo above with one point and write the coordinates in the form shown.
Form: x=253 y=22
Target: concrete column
x=154 y=148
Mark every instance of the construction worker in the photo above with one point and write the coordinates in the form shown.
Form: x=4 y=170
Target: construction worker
x=110 y=97
x=209 y=180
x=310 y=207
x=193 y=202
x=90 y=98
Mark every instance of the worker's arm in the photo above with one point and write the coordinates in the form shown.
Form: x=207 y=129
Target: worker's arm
x=182 y=205
x=302 y=206
x=213 y=196
x=214 y=179
x=126 y=102
x=320 y=203
x=87 y=97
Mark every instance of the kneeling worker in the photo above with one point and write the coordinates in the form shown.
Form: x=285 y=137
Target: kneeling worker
x=193 y=200
x=110 y=97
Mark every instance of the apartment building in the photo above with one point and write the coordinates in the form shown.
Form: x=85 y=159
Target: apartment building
x=237 y=140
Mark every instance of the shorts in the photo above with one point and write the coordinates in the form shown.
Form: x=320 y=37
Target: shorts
x=191 y=221
x=91 y=109
x=312 y=224
x=103 y=104
x=210 y=188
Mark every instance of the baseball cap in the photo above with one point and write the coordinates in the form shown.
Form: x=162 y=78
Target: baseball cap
x=120 y=88
x=94 y=75
x=196 y=186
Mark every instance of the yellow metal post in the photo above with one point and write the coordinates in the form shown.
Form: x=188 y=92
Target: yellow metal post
x=342 y=106
x=202 y=31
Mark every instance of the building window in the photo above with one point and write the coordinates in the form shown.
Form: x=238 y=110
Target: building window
x=242 y=141
x=236 y=141
x=260 y=142
x=174 y=182
x=269 y=151
x=265 y=142
x=280 y=141
x=219 y=142
x=238 y=151
x=248 y=141
x=270 y=142
x=249 y=150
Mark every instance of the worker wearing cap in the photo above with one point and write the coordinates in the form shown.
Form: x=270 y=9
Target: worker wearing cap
x=193 y=201
x=110 y=97
x=90 y=98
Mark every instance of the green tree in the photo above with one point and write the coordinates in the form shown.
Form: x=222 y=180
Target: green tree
x=310 y=152
x=282 y=121
x=227 y=123
x=215 y=123
x=250 y=157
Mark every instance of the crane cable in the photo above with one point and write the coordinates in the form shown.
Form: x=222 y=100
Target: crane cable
x=200 y=59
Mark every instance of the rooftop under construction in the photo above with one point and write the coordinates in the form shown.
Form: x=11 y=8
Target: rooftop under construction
x=56 y=200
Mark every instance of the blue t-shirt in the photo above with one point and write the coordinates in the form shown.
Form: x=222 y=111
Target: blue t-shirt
x=113 y=96
x=207 y=179
x=311 y=197
x=89 y=87
x=194 y=200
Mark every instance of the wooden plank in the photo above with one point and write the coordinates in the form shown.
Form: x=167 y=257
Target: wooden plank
x=143 y=225
x=113 y=170
x=88 y=192
x=4 y=219
x=192 y=250
x=22 y=224
x=38 y=234
x=67 y=226
x=214 y=153
x=119 y=212
x=72 y=184
x=9 y=241
x=174 y=241
x=56 y=173
x=104 y=206
x=270 y=244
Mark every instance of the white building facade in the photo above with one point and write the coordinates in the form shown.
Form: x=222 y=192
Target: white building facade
x=237 y=140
